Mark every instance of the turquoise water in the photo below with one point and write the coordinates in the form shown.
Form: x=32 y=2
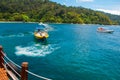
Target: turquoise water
x=72 y=51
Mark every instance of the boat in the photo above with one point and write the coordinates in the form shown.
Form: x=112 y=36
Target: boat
x=104 y=30
x=40 y=34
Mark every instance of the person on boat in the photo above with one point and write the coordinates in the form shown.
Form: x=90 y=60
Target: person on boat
x=38 y=30
x=100 y=29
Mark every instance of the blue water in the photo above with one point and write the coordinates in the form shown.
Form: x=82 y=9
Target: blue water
x=72 y=51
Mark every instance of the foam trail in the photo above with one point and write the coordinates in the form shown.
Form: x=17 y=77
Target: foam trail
x=35 y=50
x=16 y=35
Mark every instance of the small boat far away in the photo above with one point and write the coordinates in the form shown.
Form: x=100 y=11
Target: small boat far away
x=104 y=30
x=40 y=33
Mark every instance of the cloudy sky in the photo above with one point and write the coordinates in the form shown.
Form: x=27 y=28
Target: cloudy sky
x=109 y=6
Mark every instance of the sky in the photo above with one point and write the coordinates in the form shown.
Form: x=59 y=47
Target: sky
x=108 y=6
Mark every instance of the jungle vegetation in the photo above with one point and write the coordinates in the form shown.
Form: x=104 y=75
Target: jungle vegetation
x=52 y=12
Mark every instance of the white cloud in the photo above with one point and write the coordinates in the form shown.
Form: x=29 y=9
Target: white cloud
x=116 y=12
x=84 y=1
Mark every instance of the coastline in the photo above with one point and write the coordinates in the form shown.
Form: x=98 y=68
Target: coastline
x=16 y=22
x=51 y=23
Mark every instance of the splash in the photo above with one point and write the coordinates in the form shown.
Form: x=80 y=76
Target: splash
x=35 y=50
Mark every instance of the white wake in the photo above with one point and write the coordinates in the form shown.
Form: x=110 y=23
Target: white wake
x=35 y=50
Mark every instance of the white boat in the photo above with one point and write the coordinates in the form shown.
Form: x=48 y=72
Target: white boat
x=104 y=30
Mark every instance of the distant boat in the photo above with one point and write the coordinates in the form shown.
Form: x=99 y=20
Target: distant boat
x=104 y=30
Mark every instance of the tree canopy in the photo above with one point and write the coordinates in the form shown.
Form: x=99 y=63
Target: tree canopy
x=47 y=11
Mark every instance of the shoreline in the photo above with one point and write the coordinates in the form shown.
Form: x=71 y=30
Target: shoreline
x=16 y=22
x=50 y=23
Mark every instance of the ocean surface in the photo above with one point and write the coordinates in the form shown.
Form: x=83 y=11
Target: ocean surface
x=72 y=51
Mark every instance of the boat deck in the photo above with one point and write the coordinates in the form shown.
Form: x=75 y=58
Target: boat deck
x=3 y=74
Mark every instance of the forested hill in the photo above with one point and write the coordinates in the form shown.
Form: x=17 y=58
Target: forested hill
x=115 y=18
x=47 y=11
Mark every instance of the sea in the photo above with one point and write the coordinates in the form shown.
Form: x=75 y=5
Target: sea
x=71 y=52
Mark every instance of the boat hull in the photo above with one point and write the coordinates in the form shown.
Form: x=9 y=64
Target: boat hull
x=42 y=35
x=106 y=31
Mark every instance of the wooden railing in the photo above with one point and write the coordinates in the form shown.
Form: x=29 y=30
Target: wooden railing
x=11 y=68
x=1 y=57
x=24 y=74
